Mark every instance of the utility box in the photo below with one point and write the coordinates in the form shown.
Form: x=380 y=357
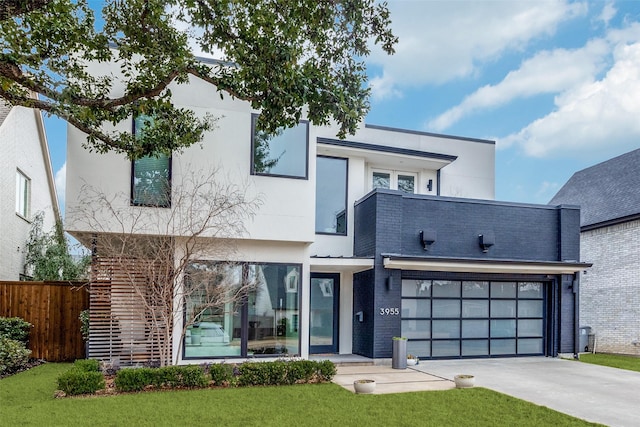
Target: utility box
x=583 y=342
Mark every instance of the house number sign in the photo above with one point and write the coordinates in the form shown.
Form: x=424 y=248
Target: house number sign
x=389 y=311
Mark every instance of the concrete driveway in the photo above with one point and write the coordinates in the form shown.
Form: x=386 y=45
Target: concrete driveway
x=594 y=393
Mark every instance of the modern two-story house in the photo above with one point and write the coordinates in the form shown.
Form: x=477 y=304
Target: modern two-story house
x=387 y=233
x=26 y=185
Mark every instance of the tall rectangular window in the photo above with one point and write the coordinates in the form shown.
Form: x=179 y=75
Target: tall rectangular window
x=284 y=154
x=23 y=194
x=150 y=175
x=331 y=195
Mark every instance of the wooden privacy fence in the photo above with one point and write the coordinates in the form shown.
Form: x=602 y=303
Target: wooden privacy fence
x=53 y=308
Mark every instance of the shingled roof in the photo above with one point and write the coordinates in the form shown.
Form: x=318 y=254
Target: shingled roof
x=4 y=111
x=607 y=193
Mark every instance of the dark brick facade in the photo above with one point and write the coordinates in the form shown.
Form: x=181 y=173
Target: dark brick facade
x=389 y=222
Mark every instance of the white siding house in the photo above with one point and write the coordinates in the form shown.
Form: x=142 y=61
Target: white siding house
x=26 y=184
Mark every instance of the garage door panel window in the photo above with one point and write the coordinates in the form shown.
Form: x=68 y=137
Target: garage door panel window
x=530 y=327
x=475 y=289
x=530 y=346
x=503 y=290
x=475 y=348
x=422 y=348
x=446 y=289
x=503 y=347
x=475 y=308
x=503 y=328
x=416 y=329
x=445 y=329
x=446 y=308
x=416 y=308
x=448 y=348
x=416 y=288
x=475 y=329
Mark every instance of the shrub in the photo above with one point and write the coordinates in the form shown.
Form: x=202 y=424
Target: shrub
x=134 y=379
x=15 y=328
x=326 y=370
x=222 y=374
x=180 y=376
x=78 y=381
x=87 y=365
x=13 y=355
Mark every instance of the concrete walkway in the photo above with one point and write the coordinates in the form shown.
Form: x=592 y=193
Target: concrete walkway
x=594 y=393
x=389 y=380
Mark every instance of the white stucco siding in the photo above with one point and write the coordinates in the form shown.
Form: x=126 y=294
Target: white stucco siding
x=610 y=289
x=21 y=147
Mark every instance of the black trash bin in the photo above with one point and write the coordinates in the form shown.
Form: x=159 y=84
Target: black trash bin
x=583 y=342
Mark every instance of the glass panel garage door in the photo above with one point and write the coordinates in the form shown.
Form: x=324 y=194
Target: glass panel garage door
x=449 y=318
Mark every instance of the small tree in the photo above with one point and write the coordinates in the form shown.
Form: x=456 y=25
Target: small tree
x=48 y=256
x=150 y=250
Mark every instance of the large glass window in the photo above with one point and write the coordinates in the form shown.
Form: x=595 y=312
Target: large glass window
x=283 y=154
x=150 y=175
x=331 y=195
x=23 y=194
x=256 y=311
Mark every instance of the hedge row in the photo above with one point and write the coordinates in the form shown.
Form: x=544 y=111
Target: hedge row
x=279 y=372
x=85 y=377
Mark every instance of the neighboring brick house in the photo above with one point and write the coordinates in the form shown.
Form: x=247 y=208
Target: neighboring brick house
x=26 y=184
x=609 y=196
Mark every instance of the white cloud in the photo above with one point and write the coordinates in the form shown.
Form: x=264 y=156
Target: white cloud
x=61 y=183
x=445 y=40
x=608 y=13
x=547 y=72
x=592 y=117
x=383 y=88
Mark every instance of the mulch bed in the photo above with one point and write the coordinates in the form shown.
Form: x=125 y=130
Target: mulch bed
x=32 y=363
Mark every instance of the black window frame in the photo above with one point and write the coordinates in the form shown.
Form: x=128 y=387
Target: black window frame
x=346 y=198
x=133 y=174
x=243 y=308
x=254 y=118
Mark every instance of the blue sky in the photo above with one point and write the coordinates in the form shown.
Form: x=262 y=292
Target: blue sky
x=555 y=83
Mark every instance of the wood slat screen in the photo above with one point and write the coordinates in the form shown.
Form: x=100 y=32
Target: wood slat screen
x=53 y=308
x=122 y=326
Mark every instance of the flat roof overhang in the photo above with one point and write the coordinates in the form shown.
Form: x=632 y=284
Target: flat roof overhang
x=340 y=264
x=467 y=265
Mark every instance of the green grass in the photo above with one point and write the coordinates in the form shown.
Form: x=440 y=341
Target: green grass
x=629 y=363
x=26 y=399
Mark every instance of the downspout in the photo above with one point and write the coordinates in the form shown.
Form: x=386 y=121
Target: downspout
x=438 y=182
x=576 y=313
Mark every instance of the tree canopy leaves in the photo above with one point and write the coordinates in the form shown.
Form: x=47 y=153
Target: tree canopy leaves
x=282 y=56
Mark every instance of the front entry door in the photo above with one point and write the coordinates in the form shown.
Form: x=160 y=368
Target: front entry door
x=323 y=318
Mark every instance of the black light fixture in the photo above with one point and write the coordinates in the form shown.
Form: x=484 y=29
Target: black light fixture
x=430 y=185
x=428 y=238
x=486 y=240
x=389 y=282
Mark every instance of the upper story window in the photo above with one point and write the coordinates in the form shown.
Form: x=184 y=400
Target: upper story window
x=394 y=180
x=331 y=195
x=284 y=154
x=150 y=175
x=23 y=194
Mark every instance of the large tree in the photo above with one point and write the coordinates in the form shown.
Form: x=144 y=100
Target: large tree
x=282 y=56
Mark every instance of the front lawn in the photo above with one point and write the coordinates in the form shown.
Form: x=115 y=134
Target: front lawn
x=27 y=399
x=629 y=363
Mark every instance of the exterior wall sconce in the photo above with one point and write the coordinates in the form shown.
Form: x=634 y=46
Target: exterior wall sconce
x=486 y=241
x=389 y=282
x=430 y=185
x=428 y=238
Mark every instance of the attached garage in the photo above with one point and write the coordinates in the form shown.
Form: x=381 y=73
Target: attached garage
x=464 y=278
x=473 y=318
